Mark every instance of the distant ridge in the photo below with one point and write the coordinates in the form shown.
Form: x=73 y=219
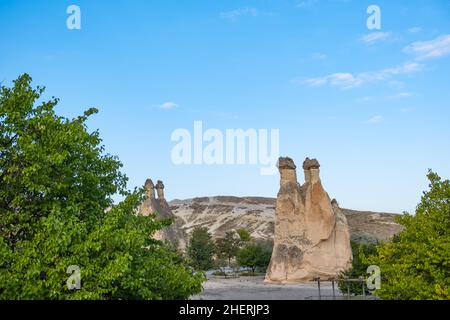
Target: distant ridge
x=256 y=214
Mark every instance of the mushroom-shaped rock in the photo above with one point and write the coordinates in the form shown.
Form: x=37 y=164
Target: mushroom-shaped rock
x=312 y=236
x=160 y=189
x=309 y=164
x=311 y=170
x=286 y=163
x=335 y=203
x=288 y=173
x=149 y=189
x=161 y=208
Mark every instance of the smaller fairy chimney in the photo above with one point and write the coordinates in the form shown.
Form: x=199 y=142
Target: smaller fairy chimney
x=312 y=171
x=287 y=169
x=149 y=189
x=160 y=189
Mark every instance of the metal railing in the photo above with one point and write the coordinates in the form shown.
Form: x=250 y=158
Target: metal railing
x=347 y=296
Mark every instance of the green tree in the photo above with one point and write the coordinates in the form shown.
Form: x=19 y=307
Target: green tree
x=359 y=268
x=201 y=249
x=244 y=235
x=56 y=211
x=227 y=246
x=254 y=256
x=416 y=265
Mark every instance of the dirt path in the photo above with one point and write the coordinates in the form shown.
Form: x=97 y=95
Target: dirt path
x=254 y=288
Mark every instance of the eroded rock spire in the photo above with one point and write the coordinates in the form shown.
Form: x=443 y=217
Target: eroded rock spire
x=162 y=210
x=160 y=189
x=312 y=237
x=149 y=189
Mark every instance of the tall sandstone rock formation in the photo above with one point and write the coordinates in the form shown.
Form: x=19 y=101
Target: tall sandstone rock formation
x=312 y=237
x=161 y=208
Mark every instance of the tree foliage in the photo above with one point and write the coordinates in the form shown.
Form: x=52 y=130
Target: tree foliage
x=359 y=268
x=254 y=256
x=201 y=249
x=228 y=246
x=416 y=265
x=244 y=235
x=56 y=210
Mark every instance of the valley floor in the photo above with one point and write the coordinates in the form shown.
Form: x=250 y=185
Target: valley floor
x=254 y=288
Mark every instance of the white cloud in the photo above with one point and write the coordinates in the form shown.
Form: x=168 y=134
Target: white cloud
x=364 y=99
x=396 y=84
x=318 y=56
x=168 y=105
x=415 y=30
x=236 y=14
x=425 y=50
x=402 y=95
x=305 y=3
x=349 y=80
x=375 y=120
x=374 y=37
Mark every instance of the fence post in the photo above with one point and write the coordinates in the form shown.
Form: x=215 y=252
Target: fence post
x=348 y=290
x=364 y=289
x=334 y=294
x=320 y=295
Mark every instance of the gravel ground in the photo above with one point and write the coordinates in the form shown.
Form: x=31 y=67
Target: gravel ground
x=254 y=288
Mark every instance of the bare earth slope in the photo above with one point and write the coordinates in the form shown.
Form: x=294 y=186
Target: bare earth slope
x=256 y=214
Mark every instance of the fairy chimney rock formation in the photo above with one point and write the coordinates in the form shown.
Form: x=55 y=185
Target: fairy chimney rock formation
x=312 y=237
x=161 y=208
x=149 y=189
x=160 y=189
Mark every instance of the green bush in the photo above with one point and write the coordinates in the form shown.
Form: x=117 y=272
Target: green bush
x=416 y=265
x=254 y=256
x=358 y=269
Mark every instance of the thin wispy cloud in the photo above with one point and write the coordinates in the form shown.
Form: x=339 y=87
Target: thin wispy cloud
x=242 y=12
x=169 y=105
x=364 y=99
x=374 y=37
x=402 y=95
x=396 y=84
x=305 y=3
x=415 y=30
x=432 y=49
x=375 y=120
x=318 y=56
x=423 y=50
x=350 y=80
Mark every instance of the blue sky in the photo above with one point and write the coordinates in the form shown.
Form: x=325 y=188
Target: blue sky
x=371 y=105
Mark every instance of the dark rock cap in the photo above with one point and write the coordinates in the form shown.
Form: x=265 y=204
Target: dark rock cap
x=160 y=185
x=334 y=203
x=310 y=164
x=149 y=184
x=286 y=163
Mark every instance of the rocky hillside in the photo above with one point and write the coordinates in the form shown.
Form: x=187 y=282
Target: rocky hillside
x=221 y=214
